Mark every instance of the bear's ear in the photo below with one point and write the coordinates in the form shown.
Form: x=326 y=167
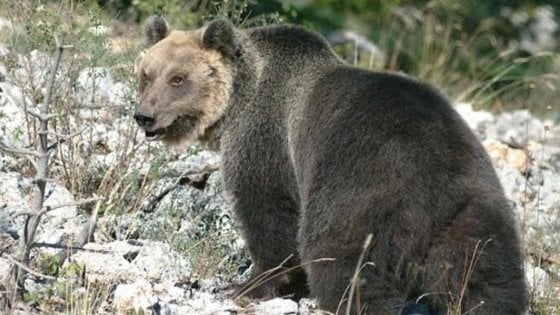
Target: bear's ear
x=221 y=35
x=156 y=30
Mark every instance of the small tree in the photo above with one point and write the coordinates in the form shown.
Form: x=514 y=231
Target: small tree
x=39 y=159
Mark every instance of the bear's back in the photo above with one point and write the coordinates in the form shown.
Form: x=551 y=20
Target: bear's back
x=289 y=43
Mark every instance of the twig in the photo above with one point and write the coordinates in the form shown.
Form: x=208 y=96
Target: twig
x=74 y=248
x=66 y=247
x=51 y=208
x=261 y=278
x=40 y=116
x=428 y=294
x=469 y=268
x=63 y=138
x=269 y=275
x=68 y=136
x=28 y=154
x=34 y=218
x=551 y=259
x=24 y=267
x=473 y=308
x=355 y=277
x=11 y=149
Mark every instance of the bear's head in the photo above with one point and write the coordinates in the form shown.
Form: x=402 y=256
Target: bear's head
x=185 y=80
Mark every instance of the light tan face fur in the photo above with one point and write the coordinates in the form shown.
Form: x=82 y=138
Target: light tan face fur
x=184 y=86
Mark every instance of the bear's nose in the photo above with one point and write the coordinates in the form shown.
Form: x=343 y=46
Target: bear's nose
x=144 y=119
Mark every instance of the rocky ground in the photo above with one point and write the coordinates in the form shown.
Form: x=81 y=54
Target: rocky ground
x=165 y=241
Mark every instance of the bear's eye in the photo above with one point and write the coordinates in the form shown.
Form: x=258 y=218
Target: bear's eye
x=177 y=80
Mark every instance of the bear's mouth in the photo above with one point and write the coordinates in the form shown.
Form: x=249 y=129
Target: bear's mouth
x=155 y=135
x=180 y=127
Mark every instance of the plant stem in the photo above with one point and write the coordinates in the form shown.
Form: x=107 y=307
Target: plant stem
x=32 y=221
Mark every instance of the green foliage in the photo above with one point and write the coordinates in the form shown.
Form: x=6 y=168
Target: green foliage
x=468 y=48
x=189 y=14
x=70 y=277
x=73 y=269
x=48 y=21
x=49 y=264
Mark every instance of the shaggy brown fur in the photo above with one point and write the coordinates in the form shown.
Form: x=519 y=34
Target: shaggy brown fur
x=317 y=155
x=184 y=91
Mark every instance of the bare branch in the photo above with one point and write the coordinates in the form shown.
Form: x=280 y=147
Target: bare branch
x=28 y=154
x=24 y=267
x=12 y=149
x=77 y=203
x=63 y=138
x=48 y=209
x=73 y=248
x=41 y=117
x=34 y=217
x=67 y=136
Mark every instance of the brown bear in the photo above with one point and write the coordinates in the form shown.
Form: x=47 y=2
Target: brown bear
x=318 y=154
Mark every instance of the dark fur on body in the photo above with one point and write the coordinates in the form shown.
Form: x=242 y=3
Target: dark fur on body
x=318 y=154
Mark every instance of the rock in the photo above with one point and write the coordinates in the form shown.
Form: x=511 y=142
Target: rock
x=120 y=94
x=204 y=303
x=32 y=72
x=182 y=199
x=7 y=230
x=194 y=161
x=545 y=155
x=188 y=209
x=13 y=122
x=96 y=81
x=307 y=306
x=57 y=195
x=121 y=261
x=544 y=205
x=134 y=297
x=122 y=227
x=514 y=185
x=3 y=70
x=277 y=306
x=56 y=228
x=4 y=51
x=12 y=195
x=500 y=152
x=62 y=225
x=99 y=30
x=161 y=263
x=6 y=25
x=478 y=121
x=516 y=128
x=109 y=263
x=538 y=280
x=97 y=144
x=5 y=269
